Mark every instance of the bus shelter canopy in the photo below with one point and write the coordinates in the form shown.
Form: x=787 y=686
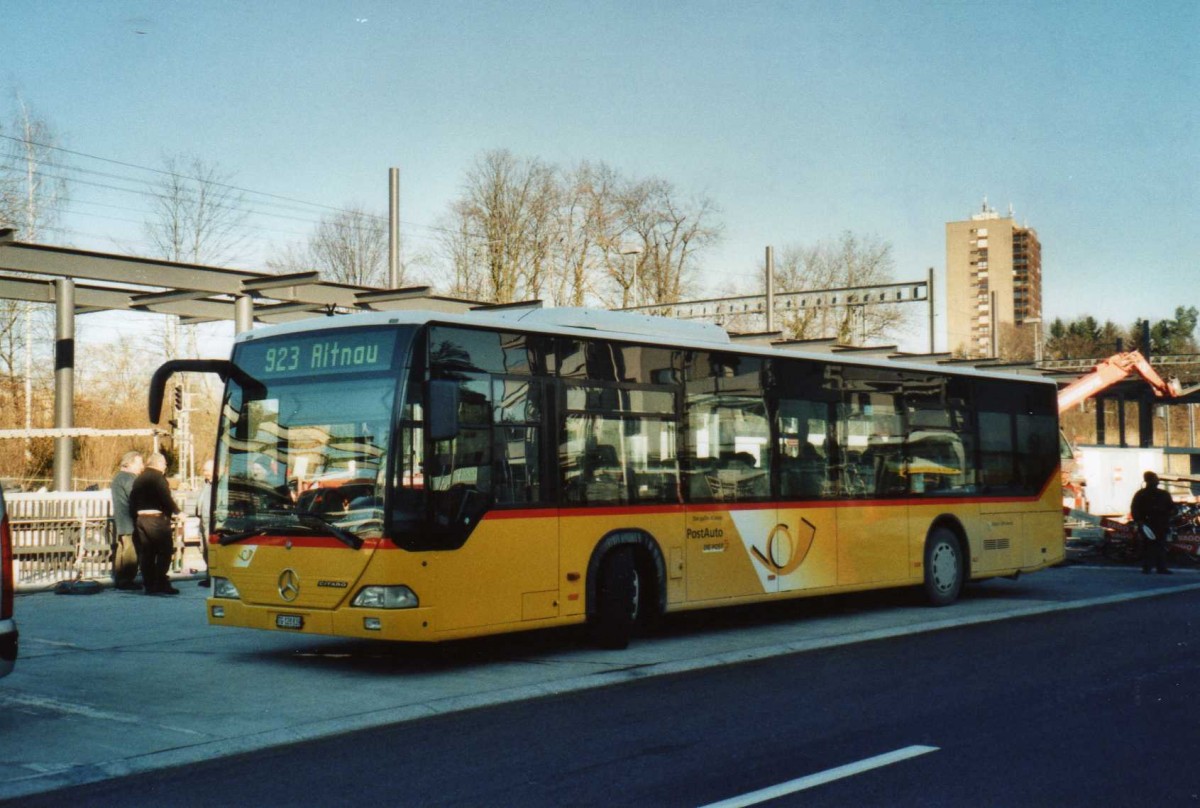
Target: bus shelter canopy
x=193 y=292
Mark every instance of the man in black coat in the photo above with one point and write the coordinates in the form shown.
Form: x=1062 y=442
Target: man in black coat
x=151 y=503
x=1152 y=509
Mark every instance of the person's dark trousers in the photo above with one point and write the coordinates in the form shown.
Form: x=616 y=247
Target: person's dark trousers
x=1154 y=554
x=125 y=563
x=155 y=537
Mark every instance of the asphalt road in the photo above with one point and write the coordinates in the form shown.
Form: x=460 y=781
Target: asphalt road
x=1097 y=706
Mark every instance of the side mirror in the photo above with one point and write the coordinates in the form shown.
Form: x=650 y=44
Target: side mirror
x=443 y=409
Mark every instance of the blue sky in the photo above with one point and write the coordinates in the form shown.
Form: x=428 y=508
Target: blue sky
x=800 y=119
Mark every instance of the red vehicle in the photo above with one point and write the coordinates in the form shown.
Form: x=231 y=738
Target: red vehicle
x=8 y=628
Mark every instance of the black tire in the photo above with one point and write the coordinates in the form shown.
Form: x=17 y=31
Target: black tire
x=617 y=595
x=944 y=567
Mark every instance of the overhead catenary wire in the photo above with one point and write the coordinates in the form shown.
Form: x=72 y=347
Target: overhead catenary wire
x=151 y=192
x=269 y=200
x=165 y=172
x=154 y=192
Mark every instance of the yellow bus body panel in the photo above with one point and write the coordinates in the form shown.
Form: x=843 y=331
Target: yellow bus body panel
x=529 y=569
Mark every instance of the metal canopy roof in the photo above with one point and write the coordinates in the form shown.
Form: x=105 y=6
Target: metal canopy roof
x=193 y=292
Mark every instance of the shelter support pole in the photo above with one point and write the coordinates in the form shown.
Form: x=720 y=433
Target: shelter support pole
x=929 y=294
x=64 y=380
x=770 y=283
x=393 y=228
x=243 y=314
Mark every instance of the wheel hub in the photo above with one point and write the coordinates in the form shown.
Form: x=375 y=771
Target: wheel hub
x=945 y=567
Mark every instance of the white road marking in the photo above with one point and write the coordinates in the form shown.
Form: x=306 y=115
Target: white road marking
x=820 y=778
x=68 y=708
x=64 y=707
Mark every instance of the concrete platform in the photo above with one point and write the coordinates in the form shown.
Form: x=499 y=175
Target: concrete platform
x=117 y=683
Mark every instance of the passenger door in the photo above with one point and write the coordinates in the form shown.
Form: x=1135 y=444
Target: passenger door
x=872 y=480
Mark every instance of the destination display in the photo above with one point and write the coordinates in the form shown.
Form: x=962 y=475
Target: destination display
x=322 y=354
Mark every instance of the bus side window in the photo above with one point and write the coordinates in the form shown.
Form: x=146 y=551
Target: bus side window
x=805 y=417
x=726 y=417
x=589 y=460
x=459 y=474
x=939 y=443
x=518 y=451
x=803 y=428
x=1037 y=435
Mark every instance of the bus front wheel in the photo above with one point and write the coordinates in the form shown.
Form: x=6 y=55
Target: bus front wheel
x=617 y=593
x=944 y=567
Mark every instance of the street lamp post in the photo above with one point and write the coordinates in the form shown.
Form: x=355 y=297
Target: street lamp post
x=634 y=250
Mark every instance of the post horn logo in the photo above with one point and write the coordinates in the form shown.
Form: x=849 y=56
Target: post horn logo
x=785 y=554
x=289 y=585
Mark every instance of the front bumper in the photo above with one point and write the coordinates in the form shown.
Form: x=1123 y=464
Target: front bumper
x=408 y=625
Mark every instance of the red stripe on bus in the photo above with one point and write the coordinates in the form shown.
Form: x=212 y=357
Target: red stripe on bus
x=296 y=541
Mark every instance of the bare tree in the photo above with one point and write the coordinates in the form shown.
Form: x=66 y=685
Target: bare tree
x=851 y=261
x=500 y=233
x=31 y=200
x=197 y=216
x=670 y=232
x=349 y=246
x=591 y=233
x=524 y=229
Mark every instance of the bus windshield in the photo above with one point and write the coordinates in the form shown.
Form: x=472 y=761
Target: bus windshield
x=306 y=453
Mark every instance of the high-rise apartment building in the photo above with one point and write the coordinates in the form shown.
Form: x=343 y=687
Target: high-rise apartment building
x=993 y=286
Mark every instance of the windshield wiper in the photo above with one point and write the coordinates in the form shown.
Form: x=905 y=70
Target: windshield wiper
x=242 y=535
x=314 y=521
x=310 y=522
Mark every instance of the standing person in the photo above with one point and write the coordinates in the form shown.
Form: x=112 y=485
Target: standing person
x=151 y=502
x=1152 y=509
x=204 y=511
x=125 y=550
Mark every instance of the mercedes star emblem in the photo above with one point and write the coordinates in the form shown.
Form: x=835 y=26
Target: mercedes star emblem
x=289 y=585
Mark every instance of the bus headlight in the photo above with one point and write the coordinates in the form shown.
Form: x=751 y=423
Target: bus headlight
x=386 y=597
x=224 y=588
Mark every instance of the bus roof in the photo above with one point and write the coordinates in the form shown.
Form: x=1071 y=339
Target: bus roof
x=614 y=325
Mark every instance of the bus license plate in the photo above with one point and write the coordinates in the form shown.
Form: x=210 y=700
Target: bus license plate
x=292 y=621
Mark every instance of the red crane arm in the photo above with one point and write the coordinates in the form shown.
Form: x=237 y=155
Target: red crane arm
x=1110 y=371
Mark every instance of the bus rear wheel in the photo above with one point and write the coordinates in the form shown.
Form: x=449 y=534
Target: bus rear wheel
x=944 y=567
x=617 y=595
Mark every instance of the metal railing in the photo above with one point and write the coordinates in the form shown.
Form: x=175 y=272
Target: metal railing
x=67 y=537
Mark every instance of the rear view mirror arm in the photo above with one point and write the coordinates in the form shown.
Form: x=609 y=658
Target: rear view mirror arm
x=222 y=367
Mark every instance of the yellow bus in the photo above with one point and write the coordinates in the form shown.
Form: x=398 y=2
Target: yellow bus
x=420 y=476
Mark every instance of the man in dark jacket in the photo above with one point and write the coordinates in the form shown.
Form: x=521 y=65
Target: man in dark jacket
x=125 y=554
x=1152 y=509
x=152 y=506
